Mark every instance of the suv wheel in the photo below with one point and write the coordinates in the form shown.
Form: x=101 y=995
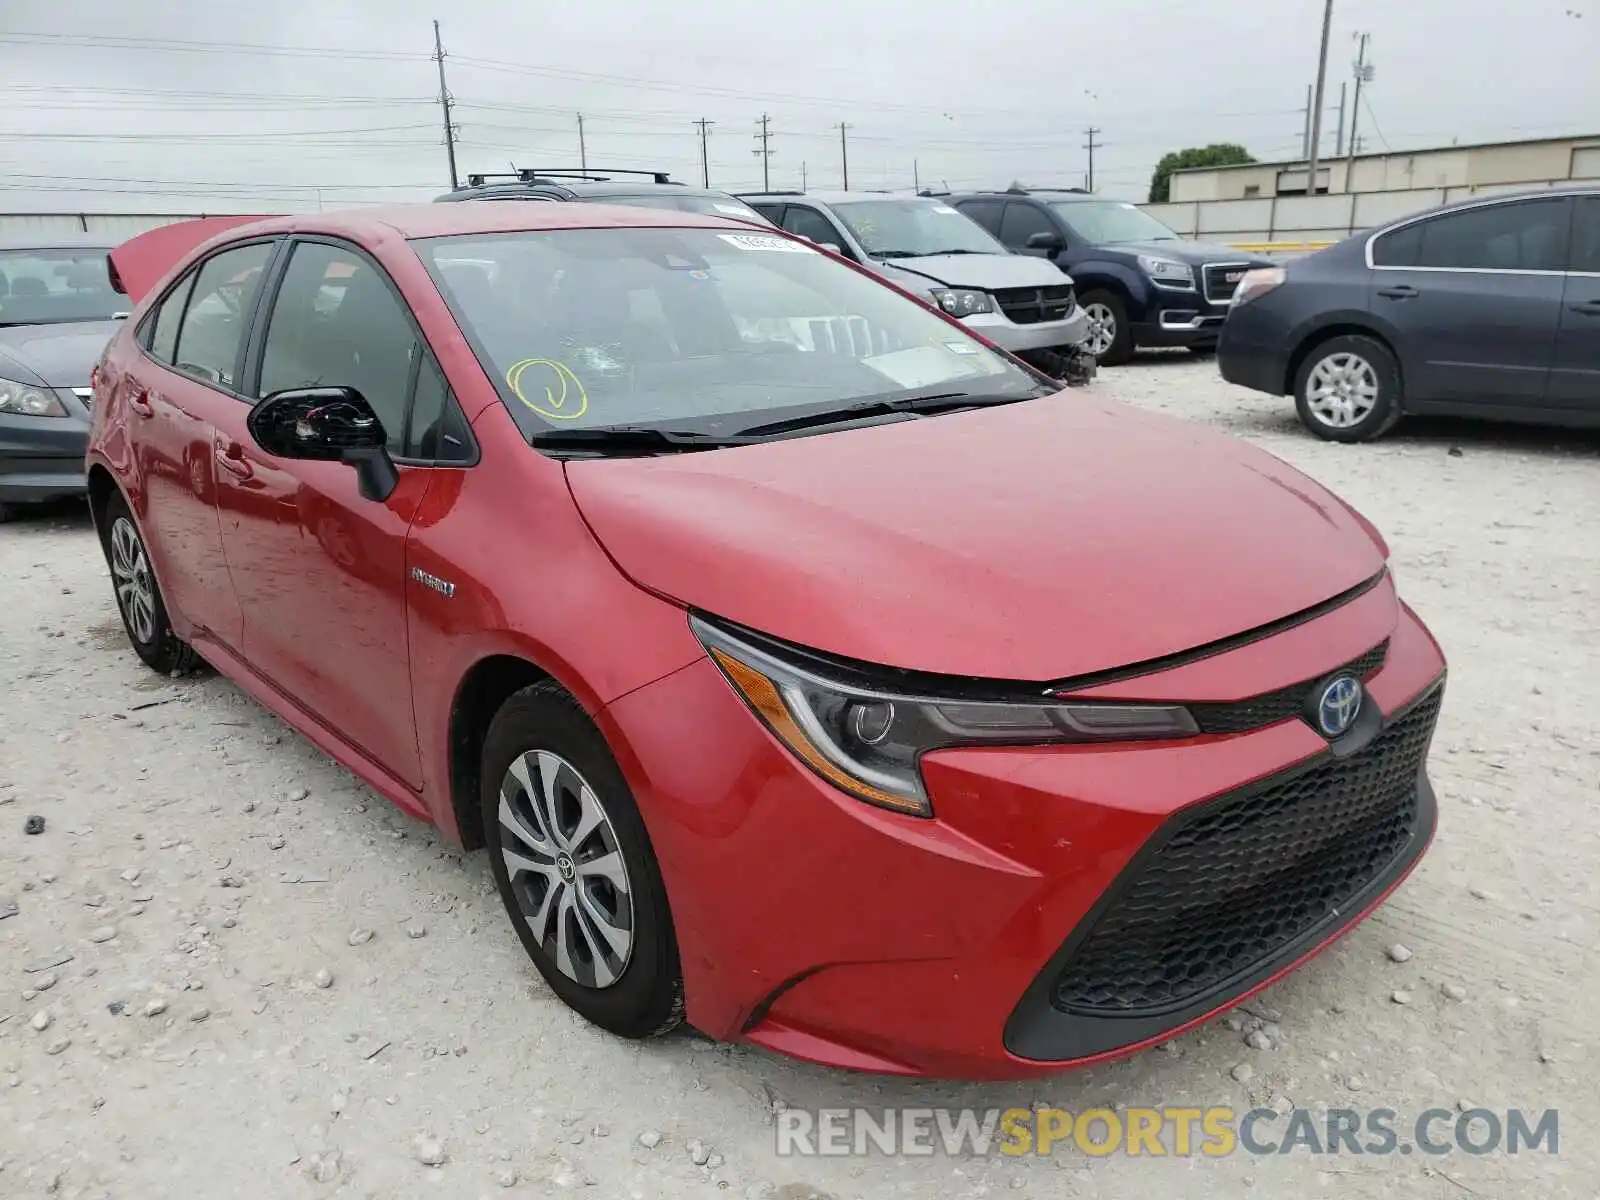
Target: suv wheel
x=1348 y=389
x=574 y=866
x=139 y=600
x=1110 y=338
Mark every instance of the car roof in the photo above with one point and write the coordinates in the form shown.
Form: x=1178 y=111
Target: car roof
x=837 y=197
x=487 y=216
x=56 y=241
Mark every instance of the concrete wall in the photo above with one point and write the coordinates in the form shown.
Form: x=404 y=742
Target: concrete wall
x=1296 y=221
x=114 y=226
x=1530 y=164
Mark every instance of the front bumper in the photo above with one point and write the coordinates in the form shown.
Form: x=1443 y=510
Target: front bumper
x=1045 y=335
x=820 y=927
x=41 y=458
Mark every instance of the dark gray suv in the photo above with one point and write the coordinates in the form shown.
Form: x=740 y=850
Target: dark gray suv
x=1486 y=308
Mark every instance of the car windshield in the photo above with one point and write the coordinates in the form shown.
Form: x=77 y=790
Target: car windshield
x=703 y=330
x=911 y=228
x=1105 y=222
x=715 y=206
x=44 y=286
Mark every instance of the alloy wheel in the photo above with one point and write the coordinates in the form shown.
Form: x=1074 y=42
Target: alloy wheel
x=135 y=586
x=566 y=868
x=1102 y=328
x=1341 y=390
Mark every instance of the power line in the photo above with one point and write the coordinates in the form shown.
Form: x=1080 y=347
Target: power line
x=108 y=42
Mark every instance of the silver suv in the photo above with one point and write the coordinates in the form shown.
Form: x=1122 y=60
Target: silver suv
x=1022 y=304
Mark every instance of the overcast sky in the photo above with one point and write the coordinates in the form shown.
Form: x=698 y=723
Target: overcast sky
x=103 y=108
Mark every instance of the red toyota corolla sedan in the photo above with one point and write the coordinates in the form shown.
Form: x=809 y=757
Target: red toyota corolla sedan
x=812 y=671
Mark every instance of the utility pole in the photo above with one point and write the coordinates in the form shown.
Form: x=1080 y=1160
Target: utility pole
x=583 y=149
x=1316 y=108
x=446 y=105
x=844 y=155
x=765 y=152
x=705 y=161
x=916 y=178
x=1338 y=138
x=1305 y=132
x=802 y=176
x=1363 y=75
x=1090 y=146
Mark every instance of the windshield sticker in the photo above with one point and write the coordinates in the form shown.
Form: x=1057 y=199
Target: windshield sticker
x=960 y=348
x=564 y=398
x=758 y=241
x=917 y=366
x=699 y=274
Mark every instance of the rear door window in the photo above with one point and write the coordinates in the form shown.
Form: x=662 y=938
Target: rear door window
x=162 y=336
x=1586 y=236
x=1529 y=235
x=218 y=313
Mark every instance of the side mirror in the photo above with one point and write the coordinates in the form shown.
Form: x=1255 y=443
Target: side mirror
x=1046 y=240
x=327 y=424
x=832 y=247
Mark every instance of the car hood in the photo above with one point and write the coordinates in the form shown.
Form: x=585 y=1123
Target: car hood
x=60 y=354
x=1193 y=253
x=1033 y=541
x=986 y=271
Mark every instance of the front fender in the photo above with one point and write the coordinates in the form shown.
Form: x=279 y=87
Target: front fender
x=1090 y=274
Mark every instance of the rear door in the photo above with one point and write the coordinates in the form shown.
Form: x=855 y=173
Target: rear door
x=1475 y=298
x=193 y=345
x=1575 y=375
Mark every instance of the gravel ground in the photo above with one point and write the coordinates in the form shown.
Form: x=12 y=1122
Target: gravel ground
x=234 y=972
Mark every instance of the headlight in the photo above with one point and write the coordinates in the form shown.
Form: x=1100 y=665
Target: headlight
x=963 y=302
x=1258 y=282
x=25 y=400
x=1167 y=272
x=867 y=741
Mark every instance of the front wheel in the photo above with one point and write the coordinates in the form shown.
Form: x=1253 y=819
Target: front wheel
x=1110 y=337
x=575 y=868
x=139 y=599
x=1348 y=389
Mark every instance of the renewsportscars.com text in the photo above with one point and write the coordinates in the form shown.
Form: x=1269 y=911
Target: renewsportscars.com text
x=1162 y=1132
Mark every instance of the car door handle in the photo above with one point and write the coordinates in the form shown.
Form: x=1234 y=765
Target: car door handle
x=1400 y=291
x=139 y=404
x=1589 y=308
x=231 y=458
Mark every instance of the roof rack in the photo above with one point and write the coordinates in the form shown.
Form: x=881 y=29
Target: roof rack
x=774 y=192
x=565 y=174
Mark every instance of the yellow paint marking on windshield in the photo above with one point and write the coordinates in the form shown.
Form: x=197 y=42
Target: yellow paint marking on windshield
x=567 y=404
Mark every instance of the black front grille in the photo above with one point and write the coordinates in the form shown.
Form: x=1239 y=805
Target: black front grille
x=1222 y=280
x=1032 y=306
x=1239 y=716
x=1230 y=885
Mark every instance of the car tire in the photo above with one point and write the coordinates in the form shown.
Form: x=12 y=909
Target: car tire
x=1348 y=389
x=586 y=897
x=1110 y=337
x=139 y=599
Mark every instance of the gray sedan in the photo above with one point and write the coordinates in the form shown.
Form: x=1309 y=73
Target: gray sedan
x=57 y=312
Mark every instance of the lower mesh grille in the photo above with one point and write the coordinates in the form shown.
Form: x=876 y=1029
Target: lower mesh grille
x=1234 y=883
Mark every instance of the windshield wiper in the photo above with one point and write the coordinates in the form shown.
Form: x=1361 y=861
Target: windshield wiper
x=895 y=254
x=908 y=405
x=631 y=439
